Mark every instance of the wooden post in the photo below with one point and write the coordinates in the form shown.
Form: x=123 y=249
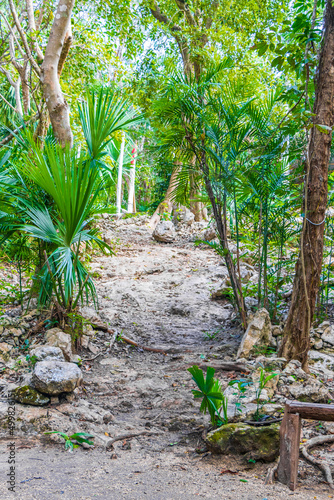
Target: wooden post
x=289 y=449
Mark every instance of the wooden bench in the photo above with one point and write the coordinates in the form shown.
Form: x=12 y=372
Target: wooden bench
x=290 y=436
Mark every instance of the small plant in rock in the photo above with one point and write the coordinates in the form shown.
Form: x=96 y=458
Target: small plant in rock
x=210 y=335
x=75 y=440
x=263 y=381
x=241 y=387
x=32 y=360
x=211 y=393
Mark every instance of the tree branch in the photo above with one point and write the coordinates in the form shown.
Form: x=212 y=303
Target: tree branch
x=41 y=15
x=65 y=51
x=184 y=7
x=32 y=27
x=34 y=65
x=53 y=95
x=175 y=31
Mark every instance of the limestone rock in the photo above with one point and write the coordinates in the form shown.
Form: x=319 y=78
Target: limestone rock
x=318 y=344
x=273 y=364
x=47 y=352
x=53 y=377
x=224 y=292
x=29 y=396
x=311 y=392
x=257 y=334
x=328 y=336
x=108 y=237
x=187 y=217
x=164 y=232
x=303 y=387
x=257 y=443
x=5 y=348
x=277 y=331
x=292 y=367
x=209 y=234
x=88 y=330
x=85 y=341
x=55 y=337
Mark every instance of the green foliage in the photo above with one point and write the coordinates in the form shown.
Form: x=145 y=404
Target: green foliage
x=74 y=440
x=74 y=186
x=101 y=115
x=210 y=391
x=241 y=387
x=263 y=381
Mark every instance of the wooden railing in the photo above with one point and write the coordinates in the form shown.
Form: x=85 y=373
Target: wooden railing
x=290 y=436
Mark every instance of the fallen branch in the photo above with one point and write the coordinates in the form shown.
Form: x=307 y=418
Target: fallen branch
x=113 y=340
x=225 y=366
x=323 y=466
x=151 y=349
x=36 y=328
x=121 y=437
x=105 y=328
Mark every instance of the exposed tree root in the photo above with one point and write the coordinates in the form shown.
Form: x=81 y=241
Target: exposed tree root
x=226 y=366
x=121 y=437
x=113 y=340
x=323 y=466
x=101 y=326
x=151 y=349
x=271 y=474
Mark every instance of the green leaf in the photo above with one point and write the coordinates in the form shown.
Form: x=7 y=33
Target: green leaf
x=323 y=128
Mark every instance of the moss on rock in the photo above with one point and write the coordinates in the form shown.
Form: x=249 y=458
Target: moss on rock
x=29 y=396
x=257 y=443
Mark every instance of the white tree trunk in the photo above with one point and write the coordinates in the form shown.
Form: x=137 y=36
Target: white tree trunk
x=132 y=181
x=18 y=97
x=53 y=95
x=119 y=179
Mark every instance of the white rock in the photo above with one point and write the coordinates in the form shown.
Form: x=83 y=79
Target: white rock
x=85 y=341
x=209 y=234
x=318 y=345
x=164 y=232
x=47 y=352
x=5 y=348
x=53 y=377
x=328 y=337
x=55 y=337
x=257 y=334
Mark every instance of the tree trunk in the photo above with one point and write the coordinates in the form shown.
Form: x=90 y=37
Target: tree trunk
x=196 y=206
x=296 y=341
x=119 y=196
x=53 y=95
x=167 y=204
x=222 y=232
x=132 y=179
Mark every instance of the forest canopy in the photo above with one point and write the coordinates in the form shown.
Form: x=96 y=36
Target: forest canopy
x=224 y=108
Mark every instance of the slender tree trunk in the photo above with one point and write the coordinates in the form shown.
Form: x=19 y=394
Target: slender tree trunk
x=222 y=232
x=18 y=97
x=167 y=204
x=132 y=179
x=53 y=95
x=196 y=206
x=296 y=341
x=120 y=177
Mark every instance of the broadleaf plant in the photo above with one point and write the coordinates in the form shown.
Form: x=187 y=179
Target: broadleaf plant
x=77 y=437
x=211 y=392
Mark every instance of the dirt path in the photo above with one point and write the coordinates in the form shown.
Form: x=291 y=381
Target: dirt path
x=158 y=295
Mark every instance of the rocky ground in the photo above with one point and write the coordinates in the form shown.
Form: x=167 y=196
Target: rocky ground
x=160 y=296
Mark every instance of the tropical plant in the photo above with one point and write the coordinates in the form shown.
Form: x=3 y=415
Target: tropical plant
x=241 y=387
x=211 y=393
x=73 y=185
x=263 y=381
x=74 y=440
